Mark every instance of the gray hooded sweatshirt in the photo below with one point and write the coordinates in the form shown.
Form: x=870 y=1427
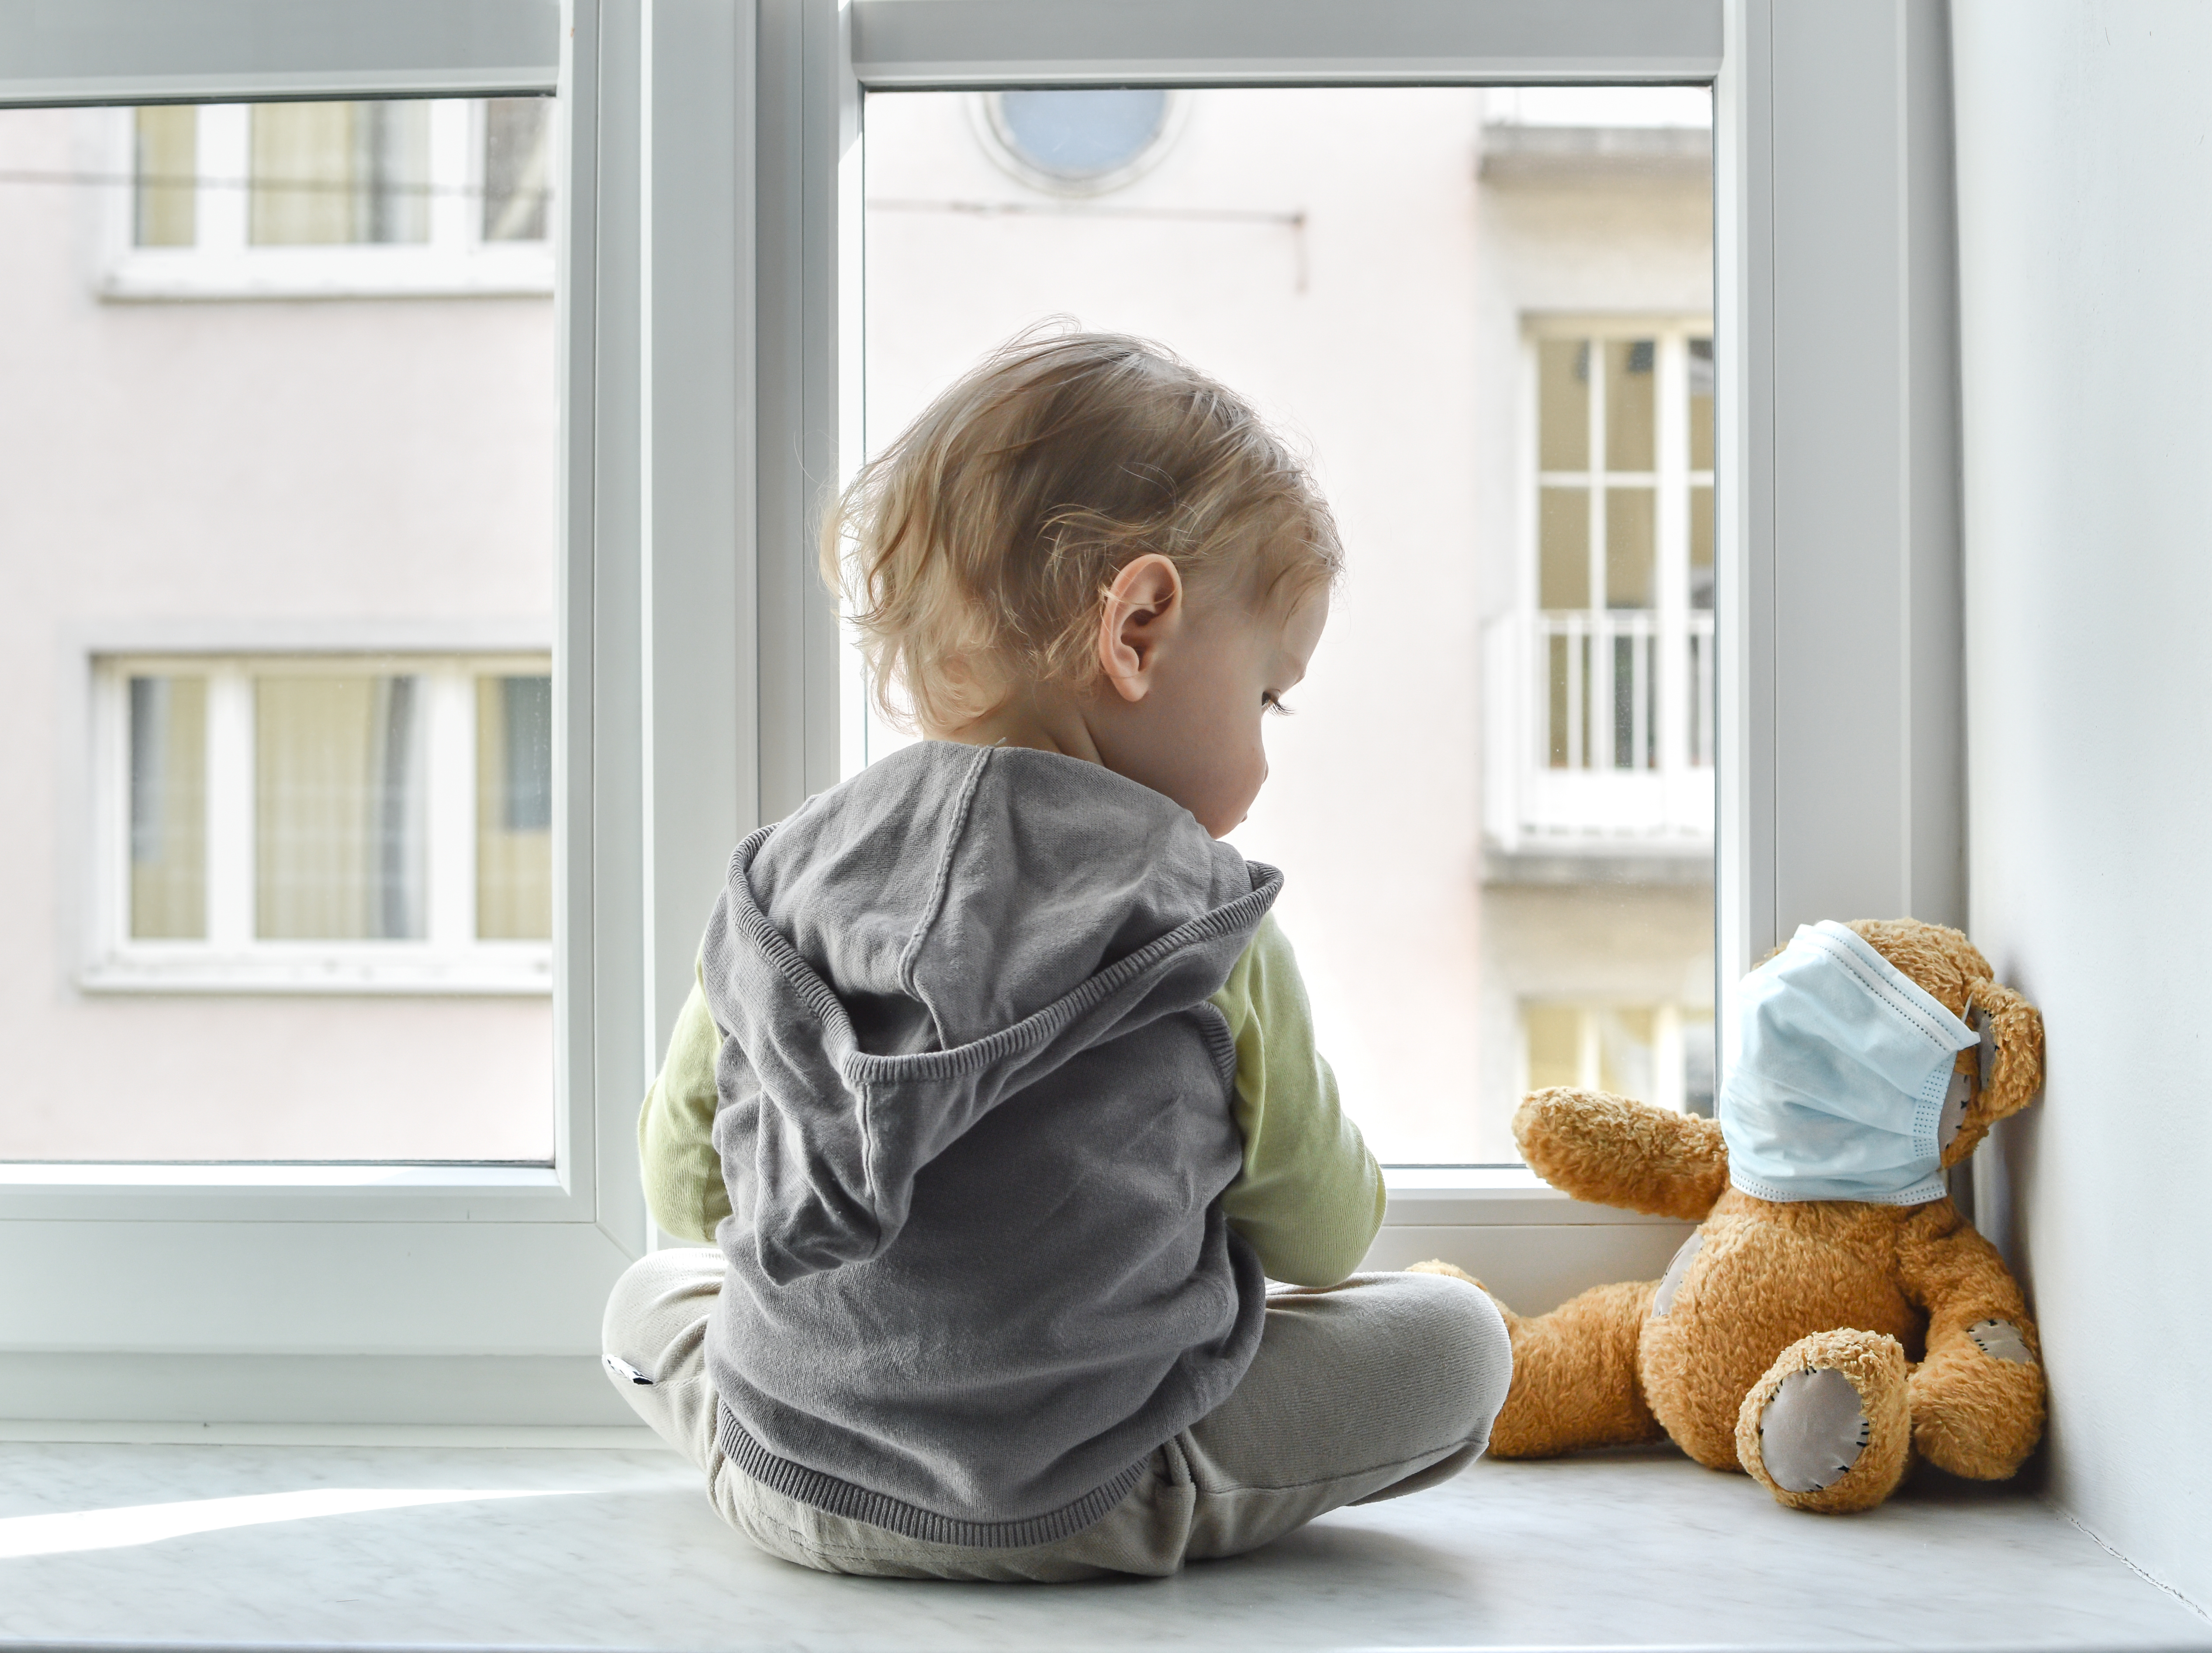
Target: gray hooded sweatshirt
x=975 y=1117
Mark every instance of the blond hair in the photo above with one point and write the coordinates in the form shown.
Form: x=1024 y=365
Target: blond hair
x=976 y=552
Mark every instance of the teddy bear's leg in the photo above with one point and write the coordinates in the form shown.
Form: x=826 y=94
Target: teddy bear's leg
x=1828 y=1428
x=1978 y=1396
x=1575 y=1382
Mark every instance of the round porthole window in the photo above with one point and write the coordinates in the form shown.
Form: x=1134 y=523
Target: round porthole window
x=1078 y=140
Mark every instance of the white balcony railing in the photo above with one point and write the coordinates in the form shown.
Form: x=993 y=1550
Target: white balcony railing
x=1598 y=727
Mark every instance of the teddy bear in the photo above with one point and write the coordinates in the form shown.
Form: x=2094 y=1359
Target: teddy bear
x=1833 y=1316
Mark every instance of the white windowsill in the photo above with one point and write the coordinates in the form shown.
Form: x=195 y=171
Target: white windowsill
x=275 y=1175
x=1491 y=1196
x=522 y=970
x=325 y=273
x=276 y=1192
x=522 y=1548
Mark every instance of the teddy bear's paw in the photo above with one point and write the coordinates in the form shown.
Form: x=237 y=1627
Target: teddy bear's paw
x=1828 y=1428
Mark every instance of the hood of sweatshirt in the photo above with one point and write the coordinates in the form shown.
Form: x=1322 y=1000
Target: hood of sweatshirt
x=947 y=929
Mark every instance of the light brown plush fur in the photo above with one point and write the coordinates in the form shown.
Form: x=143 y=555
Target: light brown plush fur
x=1884 y=1294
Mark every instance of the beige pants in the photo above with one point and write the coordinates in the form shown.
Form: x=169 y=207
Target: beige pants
x=1381 y=1386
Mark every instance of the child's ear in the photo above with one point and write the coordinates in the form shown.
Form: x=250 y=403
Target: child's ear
x=1143 y=609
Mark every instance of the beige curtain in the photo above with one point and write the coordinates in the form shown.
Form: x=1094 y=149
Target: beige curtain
x=334 y=174
x=517 y=151
x=339 y=809
x=514 y=814
x=168 y=809
x=168 y=169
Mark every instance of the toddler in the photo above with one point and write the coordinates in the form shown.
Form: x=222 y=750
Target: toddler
x=998 y=1091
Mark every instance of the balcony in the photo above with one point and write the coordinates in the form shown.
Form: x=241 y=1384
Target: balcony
x=1598 y=735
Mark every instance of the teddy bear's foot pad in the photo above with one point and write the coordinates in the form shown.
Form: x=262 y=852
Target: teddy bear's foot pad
x=1813 y=1431
x=1828 y=1428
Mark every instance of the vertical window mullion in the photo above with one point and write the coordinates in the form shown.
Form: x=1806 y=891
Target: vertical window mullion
x=225 y=145
x=1600 y=748
x=1667 y=1072
x=1673 y=549
x=1590 y=1051
x=453 y=121
x=230 y=806
x=451 y=826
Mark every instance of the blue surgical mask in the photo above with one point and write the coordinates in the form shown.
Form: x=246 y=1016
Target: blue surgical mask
x=1838 y=1075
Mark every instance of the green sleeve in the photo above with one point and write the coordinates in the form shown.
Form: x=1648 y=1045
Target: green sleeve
x=1311 y=1196
x=684 y=1186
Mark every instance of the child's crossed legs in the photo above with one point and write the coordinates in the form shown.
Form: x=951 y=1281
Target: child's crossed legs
x=1381 y=1386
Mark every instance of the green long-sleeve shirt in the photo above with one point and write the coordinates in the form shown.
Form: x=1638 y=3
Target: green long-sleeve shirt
x=1308 y=1199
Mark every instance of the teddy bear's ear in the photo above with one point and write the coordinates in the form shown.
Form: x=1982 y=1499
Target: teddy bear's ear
x=2012 y=1050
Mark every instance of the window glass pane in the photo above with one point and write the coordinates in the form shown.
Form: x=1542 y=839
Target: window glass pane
x=1701 y=548
x=338 y=808
x=167 y=153
x=1563 y=541
x=1566 y=660
x=1562 y=403
x=517 y=163
x=1500 y=712
x=1658 y=1053
x=1631 y=404
x=1553 y=1035
x=1632 y=548
x=515 y=808
x=327 y=174
x=169 y=808
x=272 y=550
x=1701 y=403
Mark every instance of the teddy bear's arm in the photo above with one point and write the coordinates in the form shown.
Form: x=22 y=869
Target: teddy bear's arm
x=1612 y=1151
x=1976 y=1400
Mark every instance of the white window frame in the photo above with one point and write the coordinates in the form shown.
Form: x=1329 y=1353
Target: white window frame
x=384 y=1293
x=222 y=264
x=706 y=311
x=449 y=958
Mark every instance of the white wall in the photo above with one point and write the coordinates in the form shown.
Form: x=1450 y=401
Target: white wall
x=2085 y=190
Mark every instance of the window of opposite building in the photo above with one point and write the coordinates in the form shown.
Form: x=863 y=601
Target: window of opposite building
x=326 y=822
x=328 y=198
x=1600 y=729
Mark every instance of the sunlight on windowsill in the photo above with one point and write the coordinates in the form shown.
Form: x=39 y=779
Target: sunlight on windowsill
x=77 y=1530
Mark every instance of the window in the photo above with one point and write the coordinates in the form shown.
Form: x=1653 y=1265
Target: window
x=740 y=344
x=286 y=573
x=391 y=195
x=1624 y=572
x=1340 y=256
x=1660 y=1054
x=326 y=823
x=1078 y=141
x=1601 y=701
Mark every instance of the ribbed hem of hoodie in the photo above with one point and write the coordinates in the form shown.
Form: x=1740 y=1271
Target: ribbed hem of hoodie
x=841 y=1497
